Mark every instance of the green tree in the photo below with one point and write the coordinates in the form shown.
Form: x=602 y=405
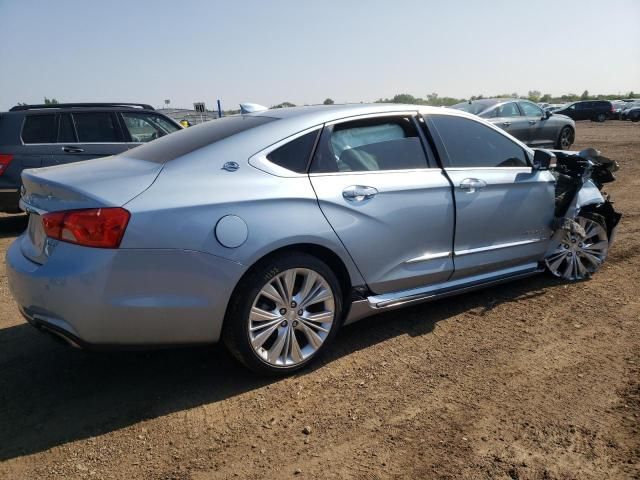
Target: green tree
x=284 y=105
x=585 y=95
x=534 y=95
x=51 y=101
x=328 y=101
x=546 y=98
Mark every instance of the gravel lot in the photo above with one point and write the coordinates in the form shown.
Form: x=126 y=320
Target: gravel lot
x=532 y=380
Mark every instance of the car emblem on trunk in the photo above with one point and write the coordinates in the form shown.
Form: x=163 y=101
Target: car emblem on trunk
x=230 y=166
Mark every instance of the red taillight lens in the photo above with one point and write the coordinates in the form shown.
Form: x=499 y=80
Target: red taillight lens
x=5 y=161
x=94 y=227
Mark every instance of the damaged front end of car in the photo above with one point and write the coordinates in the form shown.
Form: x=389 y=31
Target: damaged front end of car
x=585 y=220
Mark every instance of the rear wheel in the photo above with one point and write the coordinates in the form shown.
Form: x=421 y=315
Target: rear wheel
x=601 y=117
x=283 y=314
x=580 y=254
x=565 y=139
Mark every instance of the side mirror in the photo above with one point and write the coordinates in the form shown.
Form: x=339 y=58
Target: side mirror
x=542 y=159
x=547 y=113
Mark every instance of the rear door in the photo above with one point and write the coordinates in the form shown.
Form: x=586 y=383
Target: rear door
x=87 y=135
x=541 y=130
x=389 y=205
x=504 y=209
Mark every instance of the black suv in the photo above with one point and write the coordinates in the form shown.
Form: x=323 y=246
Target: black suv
x=595 y=110
x=34 y=136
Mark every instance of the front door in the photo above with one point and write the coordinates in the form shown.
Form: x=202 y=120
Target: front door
x=504 y=208
x=541 y=131
x=390 y=207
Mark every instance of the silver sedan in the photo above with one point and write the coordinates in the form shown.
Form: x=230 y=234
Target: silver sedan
x=269 y=230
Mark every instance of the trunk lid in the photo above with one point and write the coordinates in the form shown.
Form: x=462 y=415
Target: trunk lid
x=104 y=182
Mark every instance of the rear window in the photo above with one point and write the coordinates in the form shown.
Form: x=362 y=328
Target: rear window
x=180 y=143
x=39 y=129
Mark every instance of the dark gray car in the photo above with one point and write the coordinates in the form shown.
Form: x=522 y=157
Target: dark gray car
x=43 y=135
x=524 y=120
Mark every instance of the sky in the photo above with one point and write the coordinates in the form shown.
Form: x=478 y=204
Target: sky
x=300 y=51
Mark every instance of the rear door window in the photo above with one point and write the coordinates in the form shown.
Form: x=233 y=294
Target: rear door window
x=96 y=127
x=470 y=144
x=387 y=143
x=39 y=129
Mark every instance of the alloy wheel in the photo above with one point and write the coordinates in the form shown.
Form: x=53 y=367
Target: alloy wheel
x=291 y=317
x=577 y=257
x=566 y=139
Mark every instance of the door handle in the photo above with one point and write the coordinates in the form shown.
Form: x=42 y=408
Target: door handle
x=69 y=149
x=532 y=122
x=470 y=185
x=359 y=193
x=506 y=124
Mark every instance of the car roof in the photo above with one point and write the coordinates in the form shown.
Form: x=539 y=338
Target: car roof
x=318 y=114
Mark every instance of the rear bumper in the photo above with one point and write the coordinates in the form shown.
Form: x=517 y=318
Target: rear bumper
x=9 y=199
x=124 y=297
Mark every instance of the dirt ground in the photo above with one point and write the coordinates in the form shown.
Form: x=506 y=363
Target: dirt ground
x=532 y=380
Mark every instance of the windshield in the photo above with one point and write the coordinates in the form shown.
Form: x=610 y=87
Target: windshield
x=475 y=106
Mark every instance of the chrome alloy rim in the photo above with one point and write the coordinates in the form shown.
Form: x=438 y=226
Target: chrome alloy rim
x=565 y=139
x=577 y=257
x=291 y=317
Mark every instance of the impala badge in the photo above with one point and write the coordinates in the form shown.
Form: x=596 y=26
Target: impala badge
x=230 y=166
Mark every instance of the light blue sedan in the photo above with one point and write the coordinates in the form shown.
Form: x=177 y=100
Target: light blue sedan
x=269 y=230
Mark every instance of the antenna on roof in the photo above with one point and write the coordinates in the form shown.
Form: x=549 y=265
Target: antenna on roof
x=251 y=107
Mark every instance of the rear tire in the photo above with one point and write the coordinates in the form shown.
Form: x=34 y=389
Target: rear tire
x=601 y=117
x=283 y=314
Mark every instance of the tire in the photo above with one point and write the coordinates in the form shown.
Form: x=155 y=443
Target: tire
x=601 y=117
x=576 y=256
x=565 y=139
x=271 y=337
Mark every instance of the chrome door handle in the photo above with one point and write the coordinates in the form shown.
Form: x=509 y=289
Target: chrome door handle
x=532 y=122
x=69 y=149
x=506 y=124
x=470 y=185
x=359 y=193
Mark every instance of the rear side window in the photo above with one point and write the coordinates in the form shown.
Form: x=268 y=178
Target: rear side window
x=96 y=127
x=386 y=143
x=296 y=154
x=39 y=129
x=470 y=144
x=180 y=143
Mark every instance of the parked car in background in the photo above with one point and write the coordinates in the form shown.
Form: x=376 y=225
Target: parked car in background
x=524 y=120
x=629 y=108
x=270 y=230
x=42 y=135
x=594 y=110
x=618 y=107
x=632 y=113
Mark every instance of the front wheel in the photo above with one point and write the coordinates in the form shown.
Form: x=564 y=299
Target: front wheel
x=283 y=314
x=581 y=252
x=565 y=139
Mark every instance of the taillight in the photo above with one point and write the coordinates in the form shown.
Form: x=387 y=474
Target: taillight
x=94 y=227
x=5 y=161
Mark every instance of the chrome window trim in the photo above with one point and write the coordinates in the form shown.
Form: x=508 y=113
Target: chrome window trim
x=499 y=246
x=372 y=115
x=458 y=169
x=377 y=172
x=9 y=190
x=261 y=162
